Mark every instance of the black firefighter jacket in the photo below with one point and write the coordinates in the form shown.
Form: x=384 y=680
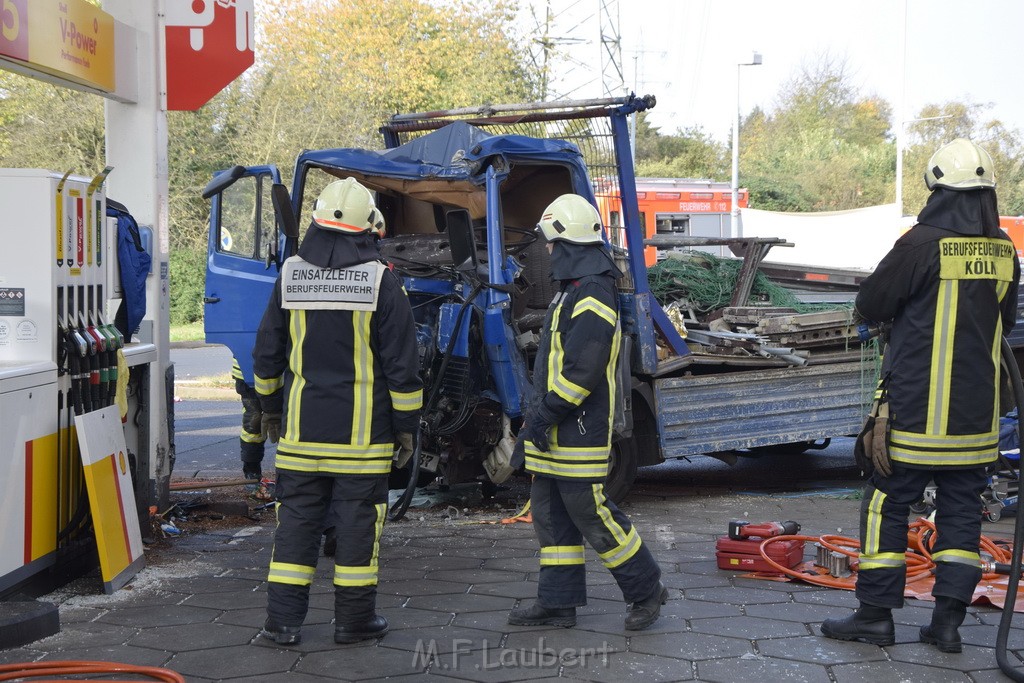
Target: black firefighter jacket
x=950 y=293
x=574 y=380
x=337 y=346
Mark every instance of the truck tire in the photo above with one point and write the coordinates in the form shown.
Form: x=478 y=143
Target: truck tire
x=621 y=470
x=537 y=269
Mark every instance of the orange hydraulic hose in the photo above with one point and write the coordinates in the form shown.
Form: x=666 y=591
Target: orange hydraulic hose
x=25 y=670
x=920 y=539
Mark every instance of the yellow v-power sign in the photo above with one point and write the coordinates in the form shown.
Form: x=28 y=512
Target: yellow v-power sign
x=69 y=39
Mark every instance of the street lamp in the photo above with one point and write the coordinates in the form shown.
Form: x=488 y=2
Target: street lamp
x=734 y=225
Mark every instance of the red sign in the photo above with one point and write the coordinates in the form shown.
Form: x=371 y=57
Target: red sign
x=209 y=43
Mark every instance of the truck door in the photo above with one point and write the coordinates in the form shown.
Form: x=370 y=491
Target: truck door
x=242 y=262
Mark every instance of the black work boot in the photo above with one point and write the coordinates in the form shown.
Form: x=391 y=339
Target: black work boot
x=644 y=613
x=282 y=635
x=949 y=613
x=868 y=624
x=374 y=627
x=538 y=615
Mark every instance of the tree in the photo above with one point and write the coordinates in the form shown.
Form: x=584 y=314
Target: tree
x=937 y=124
x=328 y=73
x=689 y=153
x=823 y=148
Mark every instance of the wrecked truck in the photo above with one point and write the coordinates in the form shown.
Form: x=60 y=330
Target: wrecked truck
x=461 y=192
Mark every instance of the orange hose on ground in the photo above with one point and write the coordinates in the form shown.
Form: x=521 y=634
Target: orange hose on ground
x=920 y=539
x=26 y=670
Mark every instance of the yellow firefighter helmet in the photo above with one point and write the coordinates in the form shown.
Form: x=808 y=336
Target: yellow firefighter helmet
x=573 y=219
x=960 y=165
x=348 y=207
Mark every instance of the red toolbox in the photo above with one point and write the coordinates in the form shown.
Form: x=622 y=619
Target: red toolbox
x=744 y=555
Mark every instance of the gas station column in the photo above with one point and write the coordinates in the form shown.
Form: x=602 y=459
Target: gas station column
x=136 y=142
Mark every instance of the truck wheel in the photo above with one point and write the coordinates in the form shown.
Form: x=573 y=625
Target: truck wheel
x=537 y=269
x=621 y=470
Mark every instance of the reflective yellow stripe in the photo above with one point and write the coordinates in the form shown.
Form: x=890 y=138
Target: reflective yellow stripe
x=378 y=529
x=612 y=378
x=983 y=439
x=362 y=389
x=331 y=465
x=557 y=452
x=958 y=557
x=873 y=524
x=236 y=370
x=252 y=438
x=555 y=352
x=266 y=386
x=621 y=553
x=558 y=469
x=355 y=576
x=606 y=515
x=591 y=304
x=294 y=574
x=569 y=391
x=997 y=349
x=881 y=561
x=949 y=449
x=913 y=457
x=298 y=337
x=412 y=400
x=942 y=356
x=554 y=555
x=329 y=450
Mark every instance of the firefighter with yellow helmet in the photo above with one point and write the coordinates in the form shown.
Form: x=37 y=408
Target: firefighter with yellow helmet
x=566 y=437
x=949 y=289
x=336 y=368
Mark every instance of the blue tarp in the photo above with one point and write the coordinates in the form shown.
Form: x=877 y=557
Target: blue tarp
x=458 y=151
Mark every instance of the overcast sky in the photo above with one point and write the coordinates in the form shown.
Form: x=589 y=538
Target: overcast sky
x=685 y=52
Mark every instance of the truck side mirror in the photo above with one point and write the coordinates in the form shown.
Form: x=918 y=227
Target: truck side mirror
x=223 y=181
x=461 y=239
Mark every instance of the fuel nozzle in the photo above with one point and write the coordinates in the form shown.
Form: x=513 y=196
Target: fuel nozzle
x=77 y=349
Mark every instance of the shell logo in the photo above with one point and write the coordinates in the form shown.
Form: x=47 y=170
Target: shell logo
x=121 y=463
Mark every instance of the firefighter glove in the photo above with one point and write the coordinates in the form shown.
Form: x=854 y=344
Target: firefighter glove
x=880 y=442
x=270 y=427
x=405 y=449
x=537 y=432
x=252 y=415
x=518 y=458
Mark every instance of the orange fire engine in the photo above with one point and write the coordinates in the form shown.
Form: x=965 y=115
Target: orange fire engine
x=676 y=206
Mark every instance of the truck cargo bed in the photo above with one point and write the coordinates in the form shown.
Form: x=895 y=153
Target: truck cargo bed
x=719 y=412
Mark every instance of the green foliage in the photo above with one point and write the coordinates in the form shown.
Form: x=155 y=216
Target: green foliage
x=825 y=139
x=689 y=153
x=937 y=124
x=187 y=273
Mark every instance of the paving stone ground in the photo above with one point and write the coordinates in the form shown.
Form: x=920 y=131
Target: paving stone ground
x=446 y=587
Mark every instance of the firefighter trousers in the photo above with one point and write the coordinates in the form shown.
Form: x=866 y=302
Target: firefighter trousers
x=564 y=513
x=882 y=574
x=357 y=508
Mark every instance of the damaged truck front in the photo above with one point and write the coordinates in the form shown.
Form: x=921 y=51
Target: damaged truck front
x=461 y=192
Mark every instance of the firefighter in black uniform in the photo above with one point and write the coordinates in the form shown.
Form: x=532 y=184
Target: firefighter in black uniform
x=949 y=289
x=566 y=436
x=336 y=368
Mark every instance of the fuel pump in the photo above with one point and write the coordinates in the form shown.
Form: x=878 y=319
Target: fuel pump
x=58 y=362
